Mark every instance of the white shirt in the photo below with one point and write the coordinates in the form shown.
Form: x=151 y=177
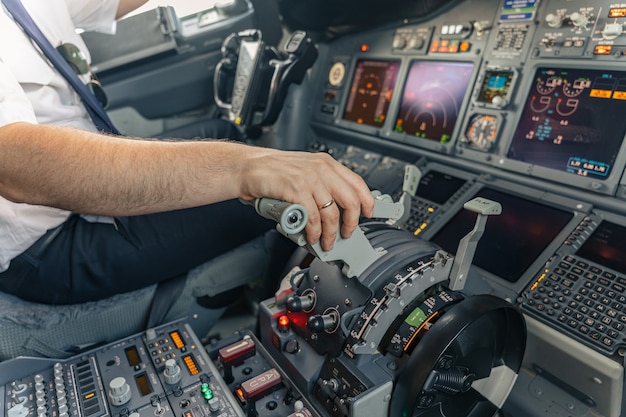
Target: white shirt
x=31 y=90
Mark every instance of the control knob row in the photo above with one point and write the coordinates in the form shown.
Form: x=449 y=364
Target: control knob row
x=577 y=19
x=413 y=43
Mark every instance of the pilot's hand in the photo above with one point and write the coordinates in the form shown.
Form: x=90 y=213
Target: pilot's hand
x=331 y=193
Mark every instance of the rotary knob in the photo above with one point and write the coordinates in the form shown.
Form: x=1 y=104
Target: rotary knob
x=554 y=20
x=399 y=42
x=612 y=31
x=172 y=372
x=42 y=411
x=119 y=391
x=579 y=19
x=18 y=410
x=416 y=43
x=498 y=101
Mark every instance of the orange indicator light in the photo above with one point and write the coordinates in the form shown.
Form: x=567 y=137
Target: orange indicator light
x=190 y=363
x=283 y=321
x=177 y=339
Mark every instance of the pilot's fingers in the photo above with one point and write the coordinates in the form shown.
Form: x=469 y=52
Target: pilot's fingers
x=329 y=216
x=349 y=222
x=312 y=201
x=354 y=199
x=350 y=198
x=323 y=223
x=335 y=190
x=312 y=180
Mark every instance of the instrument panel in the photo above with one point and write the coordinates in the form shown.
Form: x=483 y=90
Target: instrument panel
x=521 y=103
x=526 y=87
x=517 y=102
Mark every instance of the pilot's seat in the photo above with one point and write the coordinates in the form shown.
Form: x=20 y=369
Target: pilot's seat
x=59 y=331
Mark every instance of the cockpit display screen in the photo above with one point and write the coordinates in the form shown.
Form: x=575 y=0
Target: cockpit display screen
x=432 y=99
x=606 y=246
x=573 y=121
x=438 y=187
x=512 y=240
x=371 y=91
x=496 y=83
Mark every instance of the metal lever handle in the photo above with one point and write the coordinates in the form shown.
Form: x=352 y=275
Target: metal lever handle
x=356 y=253
x=467 y=245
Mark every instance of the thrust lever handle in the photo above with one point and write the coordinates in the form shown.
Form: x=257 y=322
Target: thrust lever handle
x=356 y=253
x=398 y=212
x=467 y=246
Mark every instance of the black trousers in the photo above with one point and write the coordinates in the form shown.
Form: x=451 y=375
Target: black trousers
x=90 y=261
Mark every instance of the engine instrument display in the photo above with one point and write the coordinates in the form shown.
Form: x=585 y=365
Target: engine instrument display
x=513 y=240
x=432 y=99
x=572 y=121
x=371 y=91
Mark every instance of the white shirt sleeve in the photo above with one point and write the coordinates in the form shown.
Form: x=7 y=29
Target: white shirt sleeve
x=94 y=15
x=14 y=105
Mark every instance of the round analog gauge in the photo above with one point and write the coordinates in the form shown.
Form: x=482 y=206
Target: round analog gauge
x=336 y=74
x=481 y=131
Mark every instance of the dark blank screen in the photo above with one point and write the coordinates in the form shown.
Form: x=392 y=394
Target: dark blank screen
x=438 y=187
x=606 y=246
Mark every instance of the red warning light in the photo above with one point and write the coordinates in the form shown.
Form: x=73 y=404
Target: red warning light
x=365 y=47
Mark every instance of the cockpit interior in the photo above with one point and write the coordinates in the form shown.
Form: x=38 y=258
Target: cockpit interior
x=489 y=281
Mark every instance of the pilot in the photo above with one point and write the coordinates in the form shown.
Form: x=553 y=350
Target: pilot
x=85 y=215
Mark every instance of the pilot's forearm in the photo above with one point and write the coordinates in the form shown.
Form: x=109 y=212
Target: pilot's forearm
x=90 y=173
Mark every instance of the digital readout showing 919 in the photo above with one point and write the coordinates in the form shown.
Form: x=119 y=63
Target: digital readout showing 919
x=573 y=121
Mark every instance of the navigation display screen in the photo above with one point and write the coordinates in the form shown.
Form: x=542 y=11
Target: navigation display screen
x=371 y=91
x=432 y=99
x=573 y=121
x=606 y=246
x=513 y=240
